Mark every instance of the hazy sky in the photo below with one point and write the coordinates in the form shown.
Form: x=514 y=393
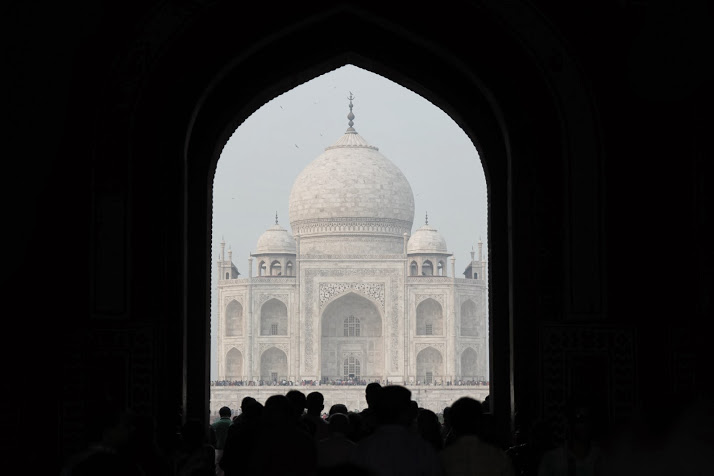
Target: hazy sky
x=260 y=161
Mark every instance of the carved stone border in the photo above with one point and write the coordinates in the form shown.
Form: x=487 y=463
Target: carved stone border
x=238 y=346
x=460 y=348
x=284 y=346
x=265 y=297
x=330 y=291
x=436 y=345
x=228 y=299
x=418 y=298
x=351 y=225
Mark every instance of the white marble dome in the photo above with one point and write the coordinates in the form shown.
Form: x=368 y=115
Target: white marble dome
x=351 y=188
x=275 y=240
x=427 y=240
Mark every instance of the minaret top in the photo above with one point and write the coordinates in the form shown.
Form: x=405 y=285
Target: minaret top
x=350 y=116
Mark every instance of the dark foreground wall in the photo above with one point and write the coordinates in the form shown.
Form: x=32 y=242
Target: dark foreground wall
x=592 y=123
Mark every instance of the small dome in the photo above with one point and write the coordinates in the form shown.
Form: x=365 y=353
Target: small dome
x=427 y=240
x=276 y=239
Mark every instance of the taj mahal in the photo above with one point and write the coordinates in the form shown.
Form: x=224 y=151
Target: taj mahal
x=350 y=293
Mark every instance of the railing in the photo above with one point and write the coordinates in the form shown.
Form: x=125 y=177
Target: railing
x=341 y=382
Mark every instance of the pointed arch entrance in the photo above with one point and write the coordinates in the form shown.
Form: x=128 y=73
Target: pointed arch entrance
x=430 y=366
x=351 y=339
x=273 y=365
x=469 y=365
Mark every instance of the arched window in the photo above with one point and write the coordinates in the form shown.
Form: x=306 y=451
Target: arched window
x=234 y=319
x=351 y=368
x=289 y=269
x=274 y=318
x=469 y=364
x=352 y=327
x=475 y=275
x=429 y=318
x=427 y=269
x=234 y=364
x=262 y=269
x=227 y=275
x=440 y=268
x=429 y=365
x=276 y=269
x=413 y=269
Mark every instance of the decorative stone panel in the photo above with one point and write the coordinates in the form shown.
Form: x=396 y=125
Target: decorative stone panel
x=436 y=345
x=463 y=299
x=329 y=291
x=430 y=280
x=284 y=346
x=418 y=298
x=460 y=348
x=263 y=298
x=237 y=346
x=272 y=280
x=228 y=299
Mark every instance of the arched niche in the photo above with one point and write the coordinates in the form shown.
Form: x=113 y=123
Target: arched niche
x=413 y=269
x=469 y=364
x=273 y=365
x=234 y=319
x=276 y=268
x=351 y=326
x=430 y=365
x=274 y=318
x=234 y=365
x=427 y=268
x=429 y=318
x=351 y=304
x=469 y=319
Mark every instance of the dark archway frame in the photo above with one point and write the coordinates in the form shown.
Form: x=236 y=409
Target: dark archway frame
x=505 y=99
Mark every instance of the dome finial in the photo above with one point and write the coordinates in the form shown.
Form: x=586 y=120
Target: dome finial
x=426 y=220
x=351 y=116
x=276 y=217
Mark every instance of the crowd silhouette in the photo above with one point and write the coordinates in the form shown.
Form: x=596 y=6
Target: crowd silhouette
x=292 y=434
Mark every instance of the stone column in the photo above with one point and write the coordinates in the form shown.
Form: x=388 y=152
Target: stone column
x=249 y=309
x=405 y=358
x=295 y=341
x=453 y=267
